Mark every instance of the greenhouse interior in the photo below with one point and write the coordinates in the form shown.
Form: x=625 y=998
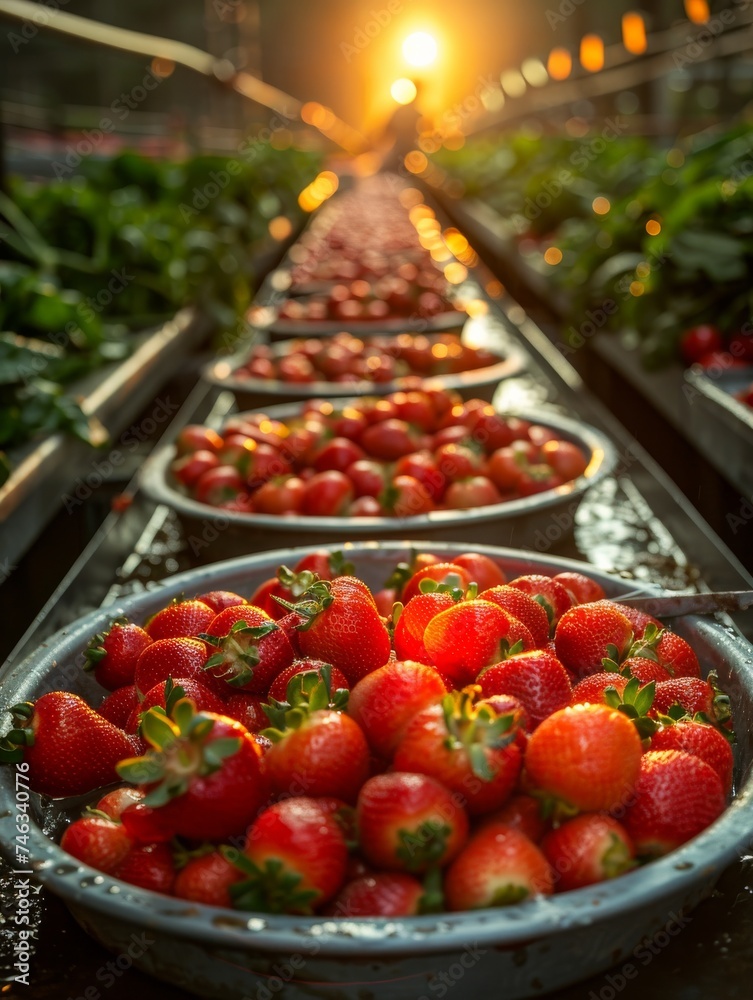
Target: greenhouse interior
x=376 y=499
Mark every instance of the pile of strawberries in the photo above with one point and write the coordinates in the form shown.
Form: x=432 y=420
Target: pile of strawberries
x=346 y=359
x=407 y=454
x=454 y=741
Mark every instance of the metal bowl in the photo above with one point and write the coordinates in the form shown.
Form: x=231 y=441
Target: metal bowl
x=521 y=523
x=249 y=393
x=517 y=951
x=283 y=329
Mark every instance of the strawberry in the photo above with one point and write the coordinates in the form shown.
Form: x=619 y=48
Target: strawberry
x=288 y=585
x=498 y=866
x=590 y=690
x=263 y=598
x=470 y=748
x=524 y=813
x=472 y=635
x=279 y=686
x=249 y=649
x=640 y=620
x=700 y=740
x=315 y=749
x=409 y=822
x=588 y=849
x=119 y=704
x=166 y=694
x=246 y=709
x=218 y=600
x=582 y=589
x=181 y=657
x=677 y=795
x=586 y=755
x=693 y=695
x=384 y=894
x=408 y=637
x=202 y=774
x=590 y=633
x=114 y=803
x=447 y=576
x=294 y=859
x=145 y=825
x=324 y=564
x=668 y=649
x=185 y=618
x=644 y=669
x=523 y=607
x=506 y=704
x=70 y=748
x=149 y=866
x=343 y=627
x=98 y=841
x=483 y=571
x=207 y=879
x=550 y=594
x=111 y=656
x=536 y=678
x=384 y=702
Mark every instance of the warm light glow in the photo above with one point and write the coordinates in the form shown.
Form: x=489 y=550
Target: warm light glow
x=634 y=33
x=456 y=273
x=476 y=308
x=409 y=197
x=534 y=72
x=403 y=91
x=420 y=49
x=697 y=11
x=553 y=255
x=643 y=270
x=416 y=162
x=280 y=227
x=653 y=227
x=601 y=205
x=592 y=53
x=317 y=115
x=560 y=64
x=162 y=67
x=513 y=83
x=494 y=289
x=455 y=240
x=637 y=288
x=420 y=211
x=322 y=187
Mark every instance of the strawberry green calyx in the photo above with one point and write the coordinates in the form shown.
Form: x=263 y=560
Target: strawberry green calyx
x=237 y=651
x=646 y=646
x=451 y=585
x=401 y=574
x=635 y=703
x=426 y=845
x=268 y=888
x=182 y=750
x=340 y=565
x=307 y=692
x=432 y=900
x=617 y=859
x=183 y=854
x=95 y=652
x=316 y=599
x=296 y=583
x=20 y=736
x=507 y=895
x=476 y=729
x=721 y=704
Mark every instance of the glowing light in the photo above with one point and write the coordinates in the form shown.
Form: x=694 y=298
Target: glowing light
x=513 y=83
x=420 y=211
x=495 y=289
x=559 y=64
x=637 y=288
x=317 y=115
x=591 y=53
x=634 y=33
x=403 y=91
x=697 y=11
x=456 y=273
x=601 y=205
x=322 y=187
x=162 y=67
x=420 y=49
x=416 y=162
x=476 y=308
x=653 y=227
x=456 y=242
x=553 y=255
x=280 y=227
x=534 y=72
x=675 y=157
x=409 y=197
x=456 y=140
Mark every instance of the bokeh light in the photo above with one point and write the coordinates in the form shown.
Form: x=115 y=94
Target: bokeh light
x=403 y=91
x=420 y=49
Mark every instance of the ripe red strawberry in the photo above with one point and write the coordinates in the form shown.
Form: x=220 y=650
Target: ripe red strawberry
x=408 y=637
x=249 y=649
x=677 y=795
x=590 y=690
x=582 y=589
x=186 y=618
x=114 y=803
x=145 y=825
x=218 y=600
x=590 y=633
x=586 y=755
x=409 y=822
x=668 y=649
x=692 y=695
x=506 y=704
x=99 y=842
x=498 y=866
x=119 y=704
x=203 y=775
x=325 y=564
x=536 y=678
x=207 y=879
x=384 y=702
x=246 y=709
x=472 y=635
x=638 y=619
x=483 y=571
x=384 y=894
x=702 y=741
x=523 y=812
x=149 y=866
x=470 y=748
x=550 y=594
x=447 y=575
x=343 y=628
x=295 y=859
x=523 y=607
x=588 y=849
x=166 y=694
x=112 y=655
x=644 y=669
x=279 y=686
x=165 y=658
x=70 y=748
x=263 y=598
x=315 y=750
